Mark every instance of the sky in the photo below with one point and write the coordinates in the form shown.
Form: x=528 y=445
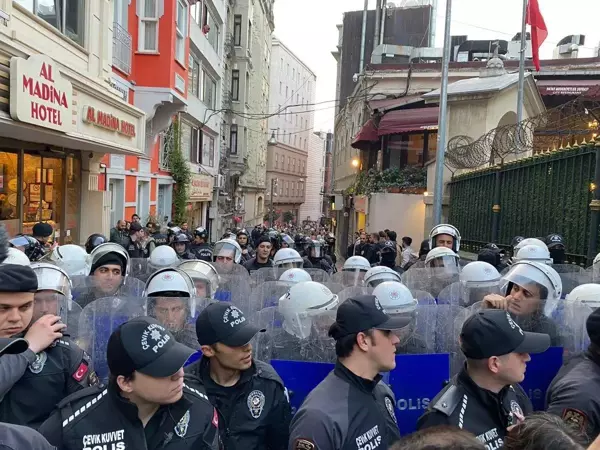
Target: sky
x=308 y=28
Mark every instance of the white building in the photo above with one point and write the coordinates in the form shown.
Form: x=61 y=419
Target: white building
x=312 y=207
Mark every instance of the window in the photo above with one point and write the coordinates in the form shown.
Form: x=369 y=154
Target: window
x=195 y=145
x=196 y=13
x=193 y=76
x=186 y=140
x=121 y=13
x=237 y=30
x=181 y=30
x=235 y=85
x=295 y=140
x=67 y=16
x=294 y=165
x=293 y=74
x=247 y=87
x=148 y=29
x=302 y=168
x=287 y=188
x=276 y=160
x=288 y=160
x=208 y=18
x=208 y=151
x=233 y=139
x=249 y=35
x=209 y=91
x=293 y=188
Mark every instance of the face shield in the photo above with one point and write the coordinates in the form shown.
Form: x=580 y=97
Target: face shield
x=227 y=253
x=204 y=276
x=300 y=317
x=50 y=302
x=173 y=312
x=446 y=264
x=19 y=242
x=316 y=251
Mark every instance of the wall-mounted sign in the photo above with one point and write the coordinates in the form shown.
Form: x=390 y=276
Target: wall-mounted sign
x=39 y=94
x=106 y=120
x=201 y=188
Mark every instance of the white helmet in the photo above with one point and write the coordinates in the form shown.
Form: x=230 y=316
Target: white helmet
x=379 y=274
x=110 y=247
x=356 y=263
x=204 y=272
x=53 y=278
x=287 y=258
x=395 y=297
x=16 y=257
x=169 y=279
x=73 y=259
x=529 y=241
x=445 y=228
x=586 y=294
x=534 y=253
x=303 y=302
x=294 y=276
x=596 y=259
x=479 y=274
x=441 y=257
x=163 y=256
x=224 y=246
x=526 y=272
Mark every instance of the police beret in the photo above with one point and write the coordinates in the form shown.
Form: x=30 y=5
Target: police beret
x=42 y=229
x=109 y=258
x=16 y=278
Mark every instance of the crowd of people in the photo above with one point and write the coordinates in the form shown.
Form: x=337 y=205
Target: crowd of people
x=155 y=339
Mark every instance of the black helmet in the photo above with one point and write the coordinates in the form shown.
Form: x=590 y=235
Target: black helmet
x=201 y=233
x=181 y=239
x=93 y=241
x=516 y=241
x=242 y=232
x=31 y=246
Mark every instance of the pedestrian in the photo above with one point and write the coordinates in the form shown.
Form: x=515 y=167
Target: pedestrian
x=351 y=407
x=146 y=405
x=408 y=254
x=485 y=398
x=263 y=255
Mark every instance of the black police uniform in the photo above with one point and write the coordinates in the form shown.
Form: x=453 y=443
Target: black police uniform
x=202 y=251
x=345 y=412
x=481 y=412
x=160 y=239
x=319 y=263
x=255 y=413
x=53 y=374
x=100 y=418
x=253 y=264
x=135 y=249
x=574 y=394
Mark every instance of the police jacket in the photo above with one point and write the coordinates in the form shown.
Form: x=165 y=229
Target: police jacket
x=480 y=412
x=135 y=249
x=345 y=412
x=574 y=394
x=202 y=251
x=255 y=413
x=160 y=239
x=46 y=379
x=100 y=418
x=319 y=263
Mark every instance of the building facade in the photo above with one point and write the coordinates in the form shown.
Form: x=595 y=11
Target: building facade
x=291 y=121
x=245 y=101
x=312 y=208
x=60 y=114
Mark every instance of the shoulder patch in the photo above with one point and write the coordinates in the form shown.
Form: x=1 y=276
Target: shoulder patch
x=196 y=392
x=575 y=418
x=83 y=408
x=303 y=444
x=448 y=401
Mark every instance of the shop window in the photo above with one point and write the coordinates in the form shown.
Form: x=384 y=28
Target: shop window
x=148 y=27
x=67 y=16
x=406 y=150
x=9 y=186
x=181 y=30
x=237 y=30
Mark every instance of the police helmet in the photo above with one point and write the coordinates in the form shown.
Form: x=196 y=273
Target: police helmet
x=523 y=273
x=479 y=274
x=201 y=232
x=379 y=274
x=395 y=298
x=287 y=240
x=163 y=256
x=28 y=245
x=356 y=264
x=445 y=228
x=93 y=241
x=294 y=276
x=73 y=259
x=534 y=253
x=103 y=250
x=529 y=241
x=555 y=241
x=586 y=294
x=202 y=271
x=287 y=258
x=441 y=257
x=54 y=279
x=16 y=257
x=169 y=280
x=225 y=246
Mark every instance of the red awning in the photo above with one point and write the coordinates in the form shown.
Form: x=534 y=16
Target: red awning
x=406 y=120
x=366 y=136
x=391 y=103
x=565 y=87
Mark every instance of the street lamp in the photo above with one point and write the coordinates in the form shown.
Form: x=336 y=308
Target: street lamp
x=273 y=139
x=355 y=162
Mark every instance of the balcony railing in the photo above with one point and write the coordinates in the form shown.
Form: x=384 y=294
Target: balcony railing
x=121 y=48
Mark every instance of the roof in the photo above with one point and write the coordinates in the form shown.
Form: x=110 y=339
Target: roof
x=478 y=85
x=391 y=103
x=406 y=120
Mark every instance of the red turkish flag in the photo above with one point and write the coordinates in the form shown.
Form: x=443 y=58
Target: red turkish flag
x=539 y=32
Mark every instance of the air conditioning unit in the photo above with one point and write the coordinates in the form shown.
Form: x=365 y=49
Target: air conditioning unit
x=220 y=181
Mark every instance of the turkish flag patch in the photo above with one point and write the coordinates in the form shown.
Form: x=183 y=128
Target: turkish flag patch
x=81 y=371
x=215 y=419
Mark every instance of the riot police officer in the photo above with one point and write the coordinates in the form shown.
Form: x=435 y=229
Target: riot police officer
x=485 y=397
x=445 y=235
x=379 y=274
x=28 y=245
x=250 y=398
x=172 y=302
x=157 y=235
x=574 y=394
x=54 y=366
x=242 y=239
x=359 y=407
x=204 y=276
x=146 y=404
x=316 y=256
x=181 y=244
x=93 y=241
x=200 y=247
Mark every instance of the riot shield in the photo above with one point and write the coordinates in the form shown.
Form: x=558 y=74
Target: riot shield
x=235 y=287
x=348 y=278
x=432 y=280
x=178 y=315
x=572 y=327
x=467 y=294
x=267 y=295
x=140 y=268
x=88 y=289
x=97 y=322
x=318 y=275
x=449 y=322
x=336 y=288
x=418 y=337
x=571 y=276
x=424 y=298
x=48 y=302
x=348 y=292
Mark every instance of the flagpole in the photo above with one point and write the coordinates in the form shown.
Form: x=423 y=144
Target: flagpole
x=522 y=64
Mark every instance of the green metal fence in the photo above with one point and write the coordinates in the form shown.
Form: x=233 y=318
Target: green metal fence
x=539 y=195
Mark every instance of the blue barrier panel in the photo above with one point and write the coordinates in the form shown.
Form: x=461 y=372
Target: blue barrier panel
x=540 y=371
x=300 y=377
x=416 y=380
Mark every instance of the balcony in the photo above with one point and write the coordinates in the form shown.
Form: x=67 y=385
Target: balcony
x=228 y=45
x=121 y=49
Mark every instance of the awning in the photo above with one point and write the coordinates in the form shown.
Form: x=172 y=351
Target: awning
x=406 y=120
x=391 y=103
x=366 y=136
x=565 y=87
